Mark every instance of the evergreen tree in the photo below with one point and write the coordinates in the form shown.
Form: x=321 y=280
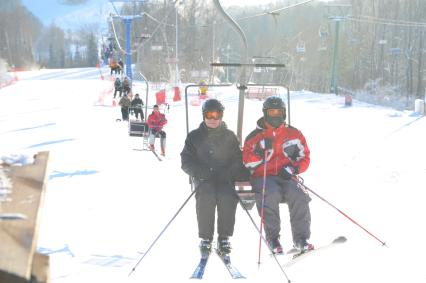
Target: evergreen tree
x=92 y=50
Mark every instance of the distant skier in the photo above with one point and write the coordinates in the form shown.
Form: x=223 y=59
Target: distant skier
x=137 y=104
x=287 y=155
x=113 y=65
x=202 y=90
x=125 y=104
x=117 y=87
x=126 y=86
x=156 y=122
x=212 y=156
x=121 y=66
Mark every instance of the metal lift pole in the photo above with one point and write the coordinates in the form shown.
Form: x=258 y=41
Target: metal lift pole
x=242 y=80
x=128 y=28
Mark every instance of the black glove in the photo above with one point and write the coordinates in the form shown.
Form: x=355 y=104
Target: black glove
x=268 y=144
x=265 y=144
x=242 y=174
x=292 y=152
x=288 y=172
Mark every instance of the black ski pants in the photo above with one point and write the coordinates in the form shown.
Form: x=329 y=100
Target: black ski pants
x=137 y=112
x=125 y=113
x=278 y=191
x=209 y=197
x=119 y=92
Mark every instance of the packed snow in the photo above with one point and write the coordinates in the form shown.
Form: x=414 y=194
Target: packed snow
x=107 y=200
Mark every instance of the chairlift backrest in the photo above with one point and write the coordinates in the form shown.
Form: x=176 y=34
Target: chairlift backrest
x=395 y=50
x=323 y=31
x=300 y=48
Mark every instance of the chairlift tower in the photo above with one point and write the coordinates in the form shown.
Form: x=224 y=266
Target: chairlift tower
x=340 y=13
x=127 y=20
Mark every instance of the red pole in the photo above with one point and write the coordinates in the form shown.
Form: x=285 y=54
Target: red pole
x=300 y=182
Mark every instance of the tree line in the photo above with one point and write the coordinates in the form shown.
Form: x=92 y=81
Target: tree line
x=25 y=42
x=378 y=47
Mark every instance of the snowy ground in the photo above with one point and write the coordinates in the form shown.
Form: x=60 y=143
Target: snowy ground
x=107 y=200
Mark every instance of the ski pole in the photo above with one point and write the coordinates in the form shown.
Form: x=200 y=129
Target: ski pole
x=263 y=238
x=168 y=224
x=299 y=180
x=263 y=204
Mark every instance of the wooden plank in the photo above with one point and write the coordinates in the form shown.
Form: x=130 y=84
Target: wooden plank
x=40 y=268
x=18 y=237
x=40 y=272
x=6 y=277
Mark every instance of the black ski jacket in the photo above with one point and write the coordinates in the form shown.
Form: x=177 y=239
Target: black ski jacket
x=213 y=155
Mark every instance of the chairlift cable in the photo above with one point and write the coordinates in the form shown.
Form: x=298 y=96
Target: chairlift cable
x=133 y=51
x=160 y=23
x=116 y=38
x=275 y=12
x=378 y=21
x=392 y=20
x=156 y=20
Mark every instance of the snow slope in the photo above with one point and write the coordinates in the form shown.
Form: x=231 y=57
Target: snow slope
x=107 y=200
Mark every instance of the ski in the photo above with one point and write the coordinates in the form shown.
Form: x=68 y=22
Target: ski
x=233 y=271
x=297 y=256
x=199 y=270
x=156 y=155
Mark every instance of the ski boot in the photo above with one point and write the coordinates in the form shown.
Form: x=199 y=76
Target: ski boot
x=205 y=248
x=303 y=246
x=223 y=246
x=275 y=246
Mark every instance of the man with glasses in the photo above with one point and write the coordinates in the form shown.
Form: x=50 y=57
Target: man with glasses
x=283 y=150
x=213 y=158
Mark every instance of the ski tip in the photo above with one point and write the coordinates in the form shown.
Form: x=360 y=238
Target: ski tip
x=340 y=239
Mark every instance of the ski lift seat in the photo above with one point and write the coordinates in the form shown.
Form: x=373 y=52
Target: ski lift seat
x=246 y=194
x=300 y=49
x=395 y=50
x=138 y=128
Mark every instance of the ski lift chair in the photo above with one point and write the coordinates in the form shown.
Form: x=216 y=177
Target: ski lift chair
x=322 y=46
x=323 y=31
x=138 y=128
x=246 y=194
x=300 y=48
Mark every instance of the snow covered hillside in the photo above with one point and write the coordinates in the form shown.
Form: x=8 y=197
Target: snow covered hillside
x=107 y=200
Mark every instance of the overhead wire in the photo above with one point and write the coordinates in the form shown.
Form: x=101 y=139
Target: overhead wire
x=383 y=21
x=160 y=23
x=116 y=38
x=276 y=11
x=156 y=20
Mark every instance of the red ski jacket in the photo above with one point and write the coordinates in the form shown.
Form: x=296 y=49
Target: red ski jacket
x=289 y=147
x=156 y=121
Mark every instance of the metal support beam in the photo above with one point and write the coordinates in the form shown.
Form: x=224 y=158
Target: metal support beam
x=243 y=79
x=128 y=28
x=333 y=83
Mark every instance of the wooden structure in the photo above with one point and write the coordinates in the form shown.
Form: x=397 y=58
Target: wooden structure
x=20 y=217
